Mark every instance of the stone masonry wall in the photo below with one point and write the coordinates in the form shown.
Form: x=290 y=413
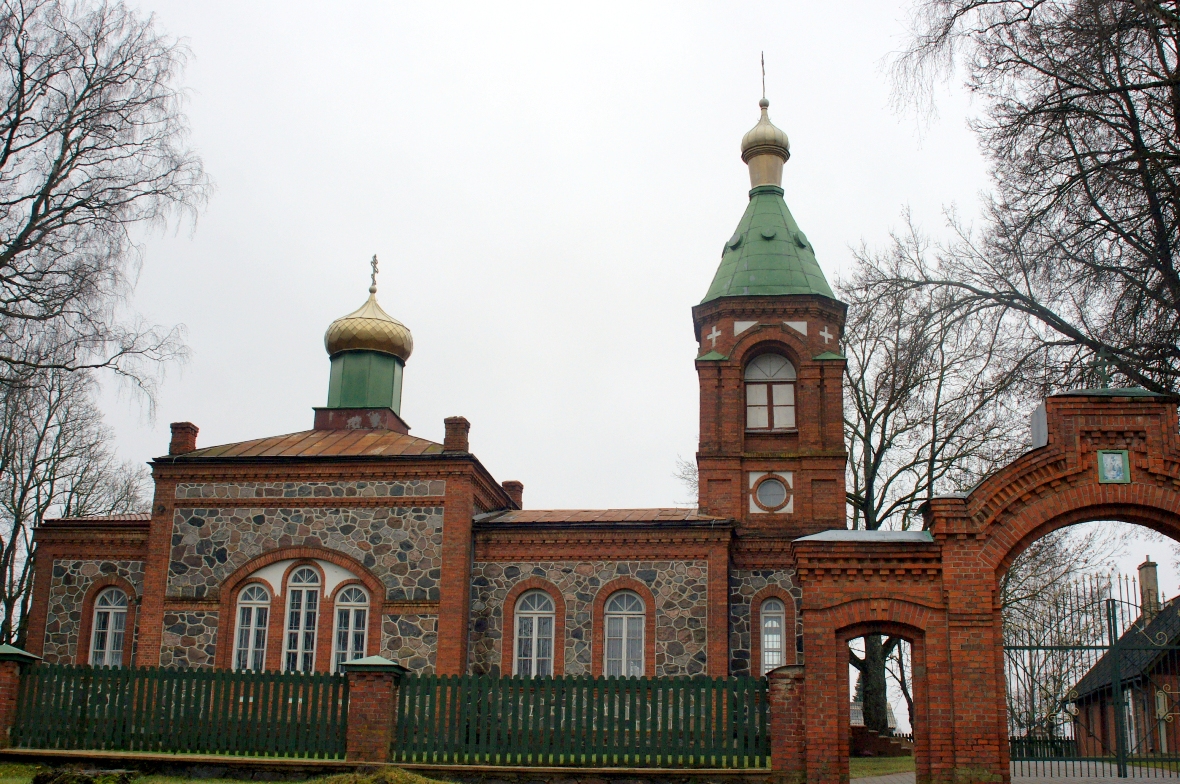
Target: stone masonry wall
x=680 y=589
x=743 y=584
x=71 y=582
x=411 y=641
x=401 y=546
x=189 y=640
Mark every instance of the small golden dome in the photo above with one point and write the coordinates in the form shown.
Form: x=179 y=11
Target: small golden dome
x=369 y=328
x=765 y=138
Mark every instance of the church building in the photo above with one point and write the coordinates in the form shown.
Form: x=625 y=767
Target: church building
x=355 y=538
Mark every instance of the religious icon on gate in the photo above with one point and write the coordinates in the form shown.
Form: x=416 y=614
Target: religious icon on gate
x=1114 y=466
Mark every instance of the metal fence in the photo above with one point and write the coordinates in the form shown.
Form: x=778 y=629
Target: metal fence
x=1093 y=685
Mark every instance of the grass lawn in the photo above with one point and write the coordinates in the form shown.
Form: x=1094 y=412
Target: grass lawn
x=13 y=773
x=860 y=767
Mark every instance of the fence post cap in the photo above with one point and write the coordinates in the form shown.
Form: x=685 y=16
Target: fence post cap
x=374 y=664
x=12 y=653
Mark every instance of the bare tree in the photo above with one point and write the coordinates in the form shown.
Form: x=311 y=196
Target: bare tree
x=1081 y=124
x=930 y=383
x=55 y=459
x=93 y=142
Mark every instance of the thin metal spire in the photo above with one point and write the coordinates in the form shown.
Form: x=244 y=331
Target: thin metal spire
x=764 y=75
x=373 y=278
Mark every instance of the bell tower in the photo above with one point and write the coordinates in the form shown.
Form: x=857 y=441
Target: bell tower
x=772 y=451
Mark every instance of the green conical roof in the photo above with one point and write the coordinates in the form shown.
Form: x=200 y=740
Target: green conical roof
x=768 y=254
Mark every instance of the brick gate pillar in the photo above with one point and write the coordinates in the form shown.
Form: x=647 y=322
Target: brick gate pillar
x=11 y=660
x=372 y=707
x=788 y=742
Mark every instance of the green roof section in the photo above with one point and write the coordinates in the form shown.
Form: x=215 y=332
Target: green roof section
x=768 y=254
x=712 y=356
x=828 y=355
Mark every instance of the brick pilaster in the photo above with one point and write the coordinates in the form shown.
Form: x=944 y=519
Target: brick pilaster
x=455 y=583
x=372 y=701
x=11 y=660
x=788 y=741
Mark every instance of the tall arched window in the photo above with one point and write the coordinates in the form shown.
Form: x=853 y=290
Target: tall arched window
x=770 y=393
x=253 y=616
x=534 y=635
x=303 y=604
x=624 y=618
x=352 y=624
x=774 y=622
x=109 y=629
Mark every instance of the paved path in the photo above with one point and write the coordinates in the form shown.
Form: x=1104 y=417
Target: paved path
x=1044 y=777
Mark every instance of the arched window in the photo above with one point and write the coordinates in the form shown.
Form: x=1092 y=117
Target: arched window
x=352 y=624
x=303 y=604
x=624 y=618
x=770 y=393
x=109 y=630
x=774 y=622
x=534 y=635
x=253 y=616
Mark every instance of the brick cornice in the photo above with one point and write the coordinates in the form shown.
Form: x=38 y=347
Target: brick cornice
x=532 y=541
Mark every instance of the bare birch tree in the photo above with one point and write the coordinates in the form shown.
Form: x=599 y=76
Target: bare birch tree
x=55 y=459
x=93 y=144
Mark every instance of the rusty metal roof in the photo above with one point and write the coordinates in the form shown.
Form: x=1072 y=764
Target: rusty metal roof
x=133 y=517
x=557 y=516
x=320 y=443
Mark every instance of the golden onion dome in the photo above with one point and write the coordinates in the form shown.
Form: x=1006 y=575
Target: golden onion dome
x=765 y=138
x=369 y=328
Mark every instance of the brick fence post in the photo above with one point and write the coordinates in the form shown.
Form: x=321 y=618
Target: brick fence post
x=11 y=660
x=788 y=742
x=372 y=707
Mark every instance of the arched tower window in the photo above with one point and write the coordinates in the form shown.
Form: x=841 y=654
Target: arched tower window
x=253 y=616
x=303 y=604
x=624 y=617
x=773 y=617
x=770 y=393
x=534 y=635
x=109 y=630
x=352 y=624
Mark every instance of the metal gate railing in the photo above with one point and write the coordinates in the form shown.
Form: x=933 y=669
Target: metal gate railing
x=1093 y=685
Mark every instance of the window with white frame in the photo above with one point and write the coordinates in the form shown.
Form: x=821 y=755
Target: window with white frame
x=253 y=616
x=770 y=393
x=774 y=622
x=352 y=624
x=109 y=629
x=624 y=620
x=534 y=635
x=303 y=605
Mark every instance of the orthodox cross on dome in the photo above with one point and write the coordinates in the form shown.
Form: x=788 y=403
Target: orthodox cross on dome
x=764 y=74
x=716 y=333
x=826 y=334
x=1102 y=365
x=373 y=277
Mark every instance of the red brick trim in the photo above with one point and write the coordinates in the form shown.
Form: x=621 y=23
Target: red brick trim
x=598 y=633
x=790 y=652
x=275 y=633
x=82 y=654
x=508 y=632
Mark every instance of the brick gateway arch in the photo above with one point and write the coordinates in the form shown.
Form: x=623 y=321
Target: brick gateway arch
x=937 y=588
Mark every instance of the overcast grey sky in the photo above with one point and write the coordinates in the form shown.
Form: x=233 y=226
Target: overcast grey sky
x=548 y=188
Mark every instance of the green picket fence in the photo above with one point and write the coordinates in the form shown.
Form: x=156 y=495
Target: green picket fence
x=583 y=721
x=201 y=711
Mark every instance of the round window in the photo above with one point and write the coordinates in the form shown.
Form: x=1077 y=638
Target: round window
x=771 y=493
